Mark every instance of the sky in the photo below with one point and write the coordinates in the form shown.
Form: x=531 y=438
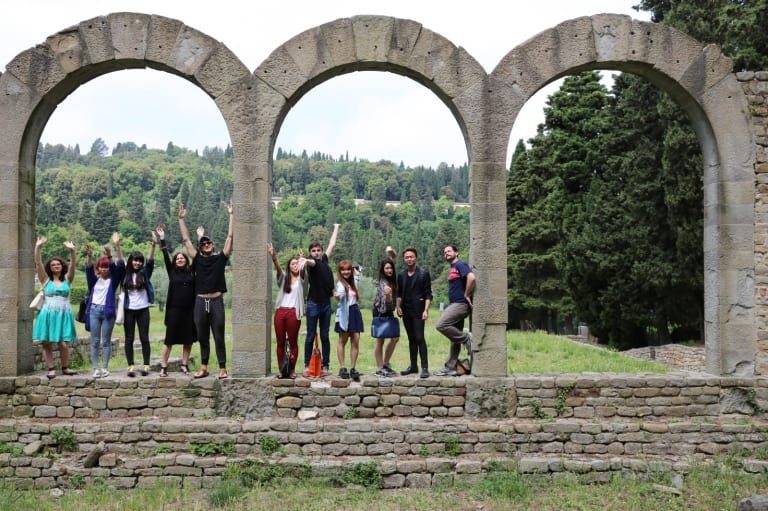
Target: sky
x=364 y=115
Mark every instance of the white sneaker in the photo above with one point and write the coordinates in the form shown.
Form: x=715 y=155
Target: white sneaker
x=104 y=373
x=96 y=373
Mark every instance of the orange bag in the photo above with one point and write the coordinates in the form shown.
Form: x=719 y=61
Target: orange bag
x=316 y=360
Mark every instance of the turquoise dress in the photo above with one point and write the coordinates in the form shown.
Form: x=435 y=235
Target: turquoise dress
x=55 y=322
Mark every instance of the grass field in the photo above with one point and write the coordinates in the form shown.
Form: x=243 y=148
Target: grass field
x=527 y=352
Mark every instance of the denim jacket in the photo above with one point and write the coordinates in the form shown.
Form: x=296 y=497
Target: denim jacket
x=110 y=308
x=342 y=310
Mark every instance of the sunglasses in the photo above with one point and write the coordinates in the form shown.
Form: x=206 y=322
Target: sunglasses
x=206 y=243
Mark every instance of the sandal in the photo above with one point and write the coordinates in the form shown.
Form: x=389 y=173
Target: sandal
x=51 y=373
x=202 y=373
x=184 y=369
x=163 y=371
x=67 y=371
x=223 y=374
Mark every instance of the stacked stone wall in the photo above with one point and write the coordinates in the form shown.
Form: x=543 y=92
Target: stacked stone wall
x=582 y=396
x=409 y=452
x=755 y=85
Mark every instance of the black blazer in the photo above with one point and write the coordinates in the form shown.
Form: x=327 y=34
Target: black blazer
x=413 y=297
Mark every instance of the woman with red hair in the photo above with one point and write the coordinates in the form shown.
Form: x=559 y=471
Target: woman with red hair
x=101 y=305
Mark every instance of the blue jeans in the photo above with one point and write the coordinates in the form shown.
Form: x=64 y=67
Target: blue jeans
x=101 y=335
x=318 y=313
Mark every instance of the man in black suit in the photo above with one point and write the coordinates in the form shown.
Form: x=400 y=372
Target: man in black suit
x=414 y=295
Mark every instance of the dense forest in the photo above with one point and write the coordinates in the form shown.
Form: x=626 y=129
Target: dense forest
x=604 y=202
x=85 y=197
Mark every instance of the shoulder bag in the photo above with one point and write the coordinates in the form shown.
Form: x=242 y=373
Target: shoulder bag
x=39 y=299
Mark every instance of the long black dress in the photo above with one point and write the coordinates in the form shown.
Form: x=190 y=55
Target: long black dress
x=180 y=305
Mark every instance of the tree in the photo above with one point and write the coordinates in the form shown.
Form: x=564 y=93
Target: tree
x=737 y=26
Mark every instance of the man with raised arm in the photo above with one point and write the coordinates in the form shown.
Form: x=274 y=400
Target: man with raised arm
x=321 y=285
x=210 y=286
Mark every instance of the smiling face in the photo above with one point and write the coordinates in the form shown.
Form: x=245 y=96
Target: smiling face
x=56 y=267
x=206 y=247
x=389 y=270
x=450 y=254
x=180 y=260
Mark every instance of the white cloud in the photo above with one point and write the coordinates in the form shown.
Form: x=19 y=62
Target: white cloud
x=388 y=117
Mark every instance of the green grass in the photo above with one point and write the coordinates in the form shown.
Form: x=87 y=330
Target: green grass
x=527 y=352
x=708 y=486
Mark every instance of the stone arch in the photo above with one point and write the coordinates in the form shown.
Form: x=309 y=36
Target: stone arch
x=371 y=43
x=700 y=79
x=485 y=106
x=38 y=79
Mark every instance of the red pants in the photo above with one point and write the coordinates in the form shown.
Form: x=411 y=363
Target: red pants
x=286 y=325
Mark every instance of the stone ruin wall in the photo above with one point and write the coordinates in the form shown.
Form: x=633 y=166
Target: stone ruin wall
x=755 y=85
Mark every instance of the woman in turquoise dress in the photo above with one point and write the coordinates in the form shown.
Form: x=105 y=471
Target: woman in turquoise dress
x=55 y=323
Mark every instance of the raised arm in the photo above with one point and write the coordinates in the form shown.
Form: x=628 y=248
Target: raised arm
x=332 y=242
x=89 y=255
x=39 y=266
x=116 y=242
x=152 y=246
x=228 y=243
x=275 y=262
x=191 y=250
x=72 y=260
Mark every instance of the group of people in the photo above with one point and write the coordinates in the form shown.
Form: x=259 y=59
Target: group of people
x=121 y=291
x=407 y=294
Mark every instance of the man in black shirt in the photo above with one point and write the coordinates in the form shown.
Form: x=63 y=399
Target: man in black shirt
x=210 y=287
x=414 y=295
x=321 y=284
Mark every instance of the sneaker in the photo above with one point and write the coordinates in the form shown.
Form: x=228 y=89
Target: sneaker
x=144 y=371
x=131 y=371
x=96 y=373
x=446 y=371
x=424 y=373
x=354 y=374
x=104 y=373
x=386 y=373
x=343 y=373
x=408 y=370
x=388 y=368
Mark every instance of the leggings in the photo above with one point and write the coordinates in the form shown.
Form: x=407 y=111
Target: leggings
x=133 y=318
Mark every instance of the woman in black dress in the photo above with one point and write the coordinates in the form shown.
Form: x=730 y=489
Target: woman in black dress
x=179 y=307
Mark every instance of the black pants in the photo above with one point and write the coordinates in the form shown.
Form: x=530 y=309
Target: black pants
x=133 y=318
x=417 y=344
x=209 y=317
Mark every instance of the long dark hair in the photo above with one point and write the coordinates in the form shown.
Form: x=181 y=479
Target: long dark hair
x=128 y=281
x=288 y=280
x=349 y=283
x=392 y=281
x=64 y=268
x=187 y=267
